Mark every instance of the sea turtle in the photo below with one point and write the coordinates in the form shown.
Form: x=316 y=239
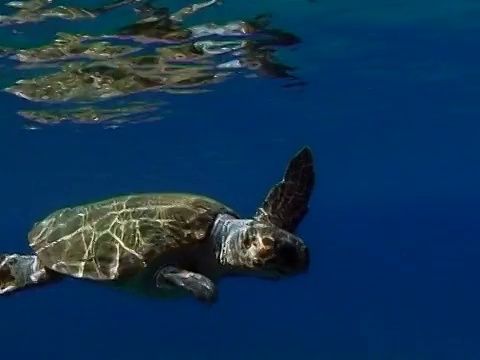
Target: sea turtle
x=169 y=244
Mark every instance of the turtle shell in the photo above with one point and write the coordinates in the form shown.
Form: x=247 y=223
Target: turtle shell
x=119 y=237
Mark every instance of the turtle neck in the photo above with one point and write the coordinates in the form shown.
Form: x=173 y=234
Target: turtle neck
x=227 y=232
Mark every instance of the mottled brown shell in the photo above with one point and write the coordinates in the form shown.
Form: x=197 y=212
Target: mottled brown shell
x=120 y=237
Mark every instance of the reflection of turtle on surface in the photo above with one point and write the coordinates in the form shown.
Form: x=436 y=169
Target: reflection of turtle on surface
x=38 y=10
x=80 y=81
x=167 y=70
x=69 y=46
x=258 y=48
x=256 y=54
x=160 y=25
x=169 y=245
x=183 y=67
x=198 y=50
x=133 y=112
x=101 y=80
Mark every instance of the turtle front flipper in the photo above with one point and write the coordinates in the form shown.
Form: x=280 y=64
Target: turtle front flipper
x=287 y=202
x=198 y=285
x=19 y=271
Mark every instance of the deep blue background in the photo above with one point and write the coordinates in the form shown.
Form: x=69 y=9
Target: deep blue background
x=391 y=113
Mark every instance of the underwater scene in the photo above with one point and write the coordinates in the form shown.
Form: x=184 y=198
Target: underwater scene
x=242 y=180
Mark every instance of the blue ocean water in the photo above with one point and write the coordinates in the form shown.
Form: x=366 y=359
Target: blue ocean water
x=388 y=102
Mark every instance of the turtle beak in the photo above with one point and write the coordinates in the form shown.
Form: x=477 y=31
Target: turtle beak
x=294 y=257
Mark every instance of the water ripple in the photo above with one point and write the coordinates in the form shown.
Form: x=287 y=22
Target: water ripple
x=156 y=52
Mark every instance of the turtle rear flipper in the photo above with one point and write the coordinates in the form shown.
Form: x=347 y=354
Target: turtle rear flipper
x=21 y=271
x=199 y=286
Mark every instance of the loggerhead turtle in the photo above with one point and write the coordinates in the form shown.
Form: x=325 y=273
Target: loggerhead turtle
x=169 y=244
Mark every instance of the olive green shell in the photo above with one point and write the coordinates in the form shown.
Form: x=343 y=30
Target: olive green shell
x=119 y=237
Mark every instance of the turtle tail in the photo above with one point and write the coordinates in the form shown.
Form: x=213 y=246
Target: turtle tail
x=21 y=271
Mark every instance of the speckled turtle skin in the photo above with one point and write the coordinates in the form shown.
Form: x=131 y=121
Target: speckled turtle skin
x=119 y=237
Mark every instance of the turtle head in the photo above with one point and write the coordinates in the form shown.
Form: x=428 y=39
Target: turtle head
x=272 y=252
x=266 y=245
x=258 y=248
